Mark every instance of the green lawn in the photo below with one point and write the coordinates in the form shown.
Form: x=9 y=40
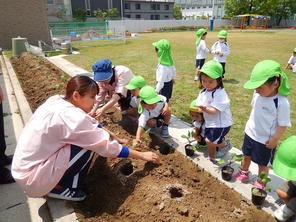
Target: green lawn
x=247 y=48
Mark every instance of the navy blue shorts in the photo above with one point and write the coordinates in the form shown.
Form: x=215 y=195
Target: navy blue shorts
x=167 y=90
x=199 y=63
x=216 y=135
x=223 y=66
x=258 y=152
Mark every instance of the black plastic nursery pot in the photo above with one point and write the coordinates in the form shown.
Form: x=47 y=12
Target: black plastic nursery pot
x=164 y=149
x=259 y=196
x=227 y=172
x=189 y=150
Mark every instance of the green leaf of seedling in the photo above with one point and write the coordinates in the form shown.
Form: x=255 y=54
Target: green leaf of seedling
x=135 y=143
x=49 y=76
x=183 y=136
x=239 y=166
x=255 y=190
x=268 y=188
x=147 y=131
x=220 y=160
x=237 y=157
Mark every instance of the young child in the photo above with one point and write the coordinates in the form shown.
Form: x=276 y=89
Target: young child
x=284 y=165
x=292 y=62
x=201 y=50
x=215 y=105
x=152 y=108
x=166 y=71
x=136 y=83
x=198 y=123
x=221 y=49
x=269 y=118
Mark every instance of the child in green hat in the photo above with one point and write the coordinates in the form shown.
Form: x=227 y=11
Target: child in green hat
x=292 y=62
x=165 y=71
x=198 y=123
x=284 y=165
x=221 y=49
x=154 y=112
x=201 y=50
x=215 y=105
x=134 y=85
x=269 y=118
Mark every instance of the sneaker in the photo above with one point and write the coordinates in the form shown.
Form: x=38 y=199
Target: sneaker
x=67 y=194
x=242 y=175
x=213 y=160
x=258 y=185
x=222 y=151
x=196 y=78
x=283 y=213
x=152 y=130
x=5 y=176
x=164 y=131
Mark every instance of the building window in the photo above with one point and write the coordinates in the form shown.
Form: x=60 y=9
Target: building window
x=127 y=6
x=166 y=7
x=155 y=6
x=138 y=6
x=210 y=6
x=154 y=17
x=138 y=16
x=166 y=16
x=219 y=6
x=128 y=16
x=50 y=2
x=204 y=6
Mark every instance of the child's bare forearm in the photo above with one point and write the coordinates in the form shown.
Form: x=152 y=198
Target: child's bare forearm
x=280 y=130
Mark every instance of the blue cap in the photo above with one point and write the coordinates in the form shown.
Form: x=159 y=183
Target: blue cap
x=102 y=70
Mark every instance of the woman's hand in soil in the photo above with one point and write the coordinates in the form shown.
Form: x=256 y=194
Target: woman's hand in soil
x=122 y=141
x=150 y=156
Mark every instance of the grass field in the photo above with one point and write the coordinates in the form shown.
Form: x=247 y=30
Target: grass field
x=247 y=48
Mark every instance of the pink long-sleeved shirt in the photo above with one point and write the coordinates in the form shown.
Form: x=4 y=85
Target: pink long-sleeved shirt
x=43 y=150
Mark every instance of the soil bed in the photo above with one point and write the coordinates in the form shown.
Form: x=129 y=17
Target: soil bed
x=175 y=190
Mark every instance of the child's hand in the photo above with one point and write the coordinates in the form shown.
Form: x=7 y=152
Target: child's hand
x=203 y=108
x=150 y=156
x=272 y=143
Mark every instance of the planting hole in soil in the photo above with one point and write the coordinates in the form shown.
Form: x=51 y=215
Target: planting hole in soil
x=114 y=197
x=126 y=169
x=164 y=149
x=176 y=192
x=227 y=172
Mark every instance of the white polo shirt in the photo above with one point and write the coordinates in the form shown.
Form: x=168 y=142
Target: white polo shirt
x=135 y=101
x=267 y=114
x=201 y=50
x=164 y=74
x=220 y=47
x=218 y=99
x=149 y=114
x=292 y=61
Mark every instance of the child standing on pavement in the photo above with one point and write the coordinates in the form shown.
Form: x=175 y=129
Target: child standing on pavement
x=153 y=108
x=215 y=105
x=221 y=49
x=269 y=118
x=165 y=71
x=284 y=165
x=201 y=50
x=292 y=62
x=198 y=123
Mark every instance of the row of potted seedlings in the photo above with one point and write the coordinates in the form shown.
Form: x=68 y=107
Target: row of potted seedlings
x=258 y=195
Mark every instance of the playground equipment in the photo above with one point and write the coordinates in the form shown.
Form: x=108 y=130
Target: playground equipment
x=251 y=21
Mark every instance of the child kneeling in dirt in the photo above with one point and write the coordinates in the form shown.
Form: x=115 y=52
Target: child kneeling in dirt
x=56 y=147
x=153 y=109
x=198 y=123
x=284 y=165
x=292 y=62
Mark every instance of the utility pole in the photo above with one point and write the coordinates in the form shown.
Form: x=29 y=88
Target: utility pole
x=121 y=9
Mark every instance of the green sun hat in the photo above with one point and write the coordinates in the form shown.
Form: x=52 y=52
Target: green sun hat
x=264 y=70
x=164 y=52
x=136 y=82
x=213 y=69
x=192 y=107
x=284 y=163
x=149 y=96
x=222 y=34
x=199 y=34
x=294 y=50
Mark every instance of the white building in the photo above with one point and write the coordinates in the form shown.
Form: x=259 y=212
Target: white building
x=201 y=9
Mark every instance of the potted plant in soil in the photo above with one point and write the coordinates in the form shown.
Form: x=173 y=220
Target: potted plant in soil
x=227 y=170
x=259 y=195
x=189 y=149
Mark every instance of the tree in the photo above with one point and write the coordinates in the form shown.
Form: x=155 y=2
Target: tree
x=177 y=13
x=80 y=14
x=100 y=14
x=61 y=13
x=113 y=13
